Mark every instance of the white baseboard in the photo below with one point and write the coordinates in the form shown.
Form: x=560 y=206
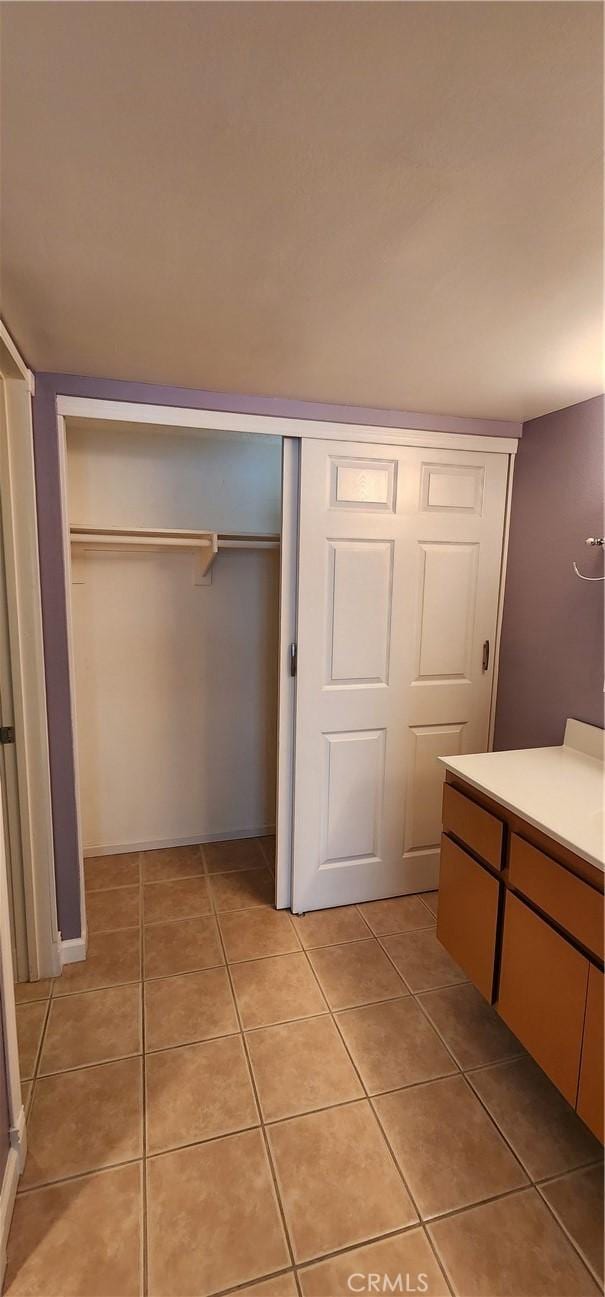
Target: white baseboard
x=121 y=848
x=74 y=949
x=8 y=1193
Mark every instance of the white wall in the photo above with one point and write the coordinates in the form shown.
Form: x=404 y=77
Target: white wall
x=176 y=684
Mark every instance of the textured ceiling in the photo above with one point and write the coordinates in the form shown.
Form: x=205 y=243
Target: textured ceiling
x=396 y=205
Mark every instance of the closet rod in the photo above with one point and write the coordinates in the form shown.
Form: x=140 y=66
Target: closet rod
x=204 y=545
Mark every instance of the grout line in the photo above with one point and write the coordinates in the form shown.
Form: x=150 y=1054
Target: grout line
x=368 y=1099
x=144 y=1214
x=271 y=1166
x=264 y=1125
x=576 y=1247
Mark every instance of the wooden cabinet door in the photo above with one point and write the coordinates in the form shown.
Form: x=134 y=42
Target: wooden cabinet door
x=468 y=915
x=542 y=994
x=590 y=1093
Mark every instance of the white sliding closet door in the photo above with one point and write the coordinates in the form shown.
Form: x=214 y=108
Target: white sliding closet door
x=399 y=569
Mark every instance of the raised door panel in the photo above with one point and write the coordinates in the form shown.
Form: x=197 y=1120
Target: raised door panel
x=452 y=487
x=360 y=576
x=591 y=1097
x=448 y=588
x=352 y=797
x=542 y=994
x=362 y=484
x=425 y=782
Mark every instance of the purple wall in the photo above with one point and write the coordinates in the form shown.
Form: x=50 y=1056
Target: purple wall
x=48 y=386
x=551 y=657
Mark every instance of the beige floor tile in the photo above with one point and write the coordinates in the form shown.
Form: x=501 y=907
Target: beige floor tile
x=422 y=961
x=181 y=946
x=194 y=1006
x=401 y=914
x=78 y=1238
x=577 y=1201
x=544 y=1131
x=432 y=900
x=470 y=1027
x=30 y=1021
x=268 y=847
x=243 y=891
x=337 y=1180
x=180 y=898
x=94 y=1027
x=449 y=1151
x=170 y=863
x=300 y=1066
x=113 y=958
x=283 y=1285
x=510 y=1248
x=252 y=934
x=26 y=1091
x=357 y=973
x=276 y=990
x=27 y=992
x=198 y=1092
x=396 y=1264
x=330 y=927
x=102 y=872
x=392 y=1045
x=241 y=853
x=118 y=907
x=84 y=1120
x=213 y=1217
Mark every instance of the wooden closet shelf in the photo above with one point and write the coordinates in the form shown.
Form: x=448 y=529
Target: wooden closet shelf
x=204 y=545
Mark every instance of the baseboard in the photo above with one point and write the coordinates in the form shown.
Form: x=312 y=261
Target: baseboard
x=8 y=1193
x=121 y=848
x=73 y=950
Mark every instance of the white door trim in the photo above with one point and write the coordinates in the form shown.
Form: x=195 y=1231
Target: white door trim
x=27 y=659
x=73 y=950
x=287 y=682
x=84 y=407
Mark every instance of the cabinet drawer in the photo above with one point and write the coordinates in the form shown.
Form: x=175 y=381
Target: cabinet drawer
x=590 y=1093
x=542 y=995
x=472 y=825
x=570 y=902
x=468 y=915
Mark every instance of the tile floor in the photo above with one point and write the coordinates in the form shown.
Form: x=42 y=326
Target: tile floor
x=226 y=1098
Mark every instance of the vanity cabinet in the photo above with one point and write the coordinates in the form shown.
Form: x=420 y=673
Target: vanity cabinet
x=523 y=917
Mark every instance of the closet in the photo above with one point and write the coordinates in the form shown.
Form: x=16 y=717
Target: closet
x=174 y=537
x=261 y=576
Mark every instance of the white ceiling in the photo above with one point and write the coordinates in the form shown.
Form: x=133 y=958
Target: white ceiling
x=395 y=205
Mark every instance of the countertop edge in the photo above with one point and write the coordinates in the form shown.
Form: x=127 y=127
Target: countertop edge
x=536 y=823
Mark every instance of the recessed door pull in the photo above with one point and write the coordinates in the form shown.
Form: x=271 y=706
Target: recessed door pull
x=7 y=734
x=293 y=658
x=485 y=659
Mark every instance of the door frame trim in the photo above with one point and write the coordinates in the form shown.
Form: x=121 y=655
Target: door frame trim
x=24 y=600
x=291 y=430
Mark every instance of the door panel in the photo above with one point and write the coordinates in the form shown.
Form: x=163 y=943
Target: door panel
x=399 y=565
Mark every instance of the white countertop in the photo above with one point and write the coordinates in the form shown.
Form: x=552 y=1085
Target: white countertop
x=559 y=790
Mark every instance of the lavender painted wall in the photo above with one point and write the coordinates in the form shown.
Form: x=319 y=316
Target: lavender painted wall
x=551 y=657
x=48 y=387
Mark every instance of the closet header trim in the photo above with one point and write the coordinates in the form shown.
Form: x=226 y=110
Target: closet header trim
x=269 y=425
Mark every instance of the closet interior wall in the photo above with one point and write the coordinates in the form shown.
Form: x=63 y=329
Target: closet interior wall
x=176 y=682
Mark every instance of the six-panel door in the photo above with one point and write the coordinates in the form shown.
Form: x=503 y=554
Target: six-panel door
x=399 y=566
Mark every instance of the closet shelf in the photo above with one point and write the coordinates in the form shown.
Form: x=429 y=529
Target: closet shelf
x=203 y=545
